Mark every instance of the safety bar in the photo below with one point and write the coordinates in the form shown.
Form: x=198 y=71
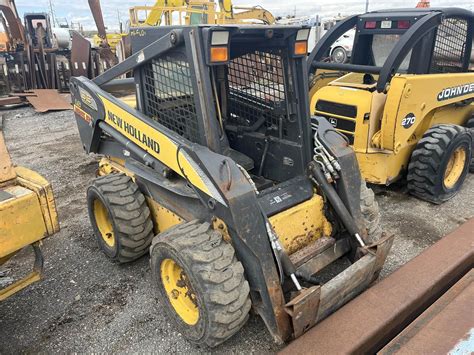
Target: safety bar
x=161 y=45
x=349 y=67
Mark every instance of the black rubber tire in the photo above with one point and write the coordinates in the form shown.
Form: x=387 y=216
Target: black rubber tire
x=429 y=160
x=470 y=125
x=129 y=214
x=217 y=279
x=334 y=57
x=370 y=213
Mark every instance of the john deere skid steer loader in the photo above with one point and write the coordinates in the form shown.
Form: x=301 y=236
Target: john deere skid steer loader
x=405 y=102
x=220 y=177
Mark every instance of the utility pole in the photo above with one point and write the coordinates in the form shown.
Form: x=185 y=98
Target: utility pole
x=52 y=14
x=119 y=21
x=366 y=5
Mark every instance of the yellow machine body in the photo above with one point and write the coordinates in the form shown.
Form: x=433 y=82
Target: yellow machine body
x=383 y=144
x=113 y=39
x=179 y=12
x=27 y=215
x=296 y=227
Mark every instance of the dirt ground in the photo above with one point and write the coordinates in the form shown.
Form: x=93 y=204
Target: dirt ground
x=88 y=304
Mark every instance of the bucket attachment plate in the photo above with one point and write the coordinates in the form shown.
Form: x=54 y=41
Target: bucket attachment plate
x=303 y=310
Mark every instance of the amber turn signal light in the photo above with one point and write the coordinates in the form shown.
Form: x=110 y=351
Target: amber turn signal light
x=219 y=54
x=301 y=48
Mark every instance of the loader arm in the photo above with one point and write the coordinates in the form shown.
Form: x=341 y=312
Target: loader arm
x=253 y=13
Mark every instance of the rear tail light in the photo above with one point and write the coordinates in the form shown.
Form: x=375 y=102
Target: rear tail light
x=403 y=24
x=301 y=48
x=219 y=54
x=370 y=24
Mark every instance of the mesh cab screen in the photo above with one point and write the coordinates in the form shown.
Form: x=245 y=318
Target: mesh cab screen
x=169 y=96
x=257 y=88
x=448 y=54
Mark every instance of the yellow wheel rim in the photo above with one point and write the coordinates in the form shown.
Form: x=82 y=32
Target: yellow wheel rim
x=179 y=291
x=104 y=224
x=455 y=167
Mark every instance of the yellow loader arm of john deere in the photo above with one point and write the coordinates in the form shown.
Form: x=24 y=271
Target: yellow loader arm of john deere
x=27 y=215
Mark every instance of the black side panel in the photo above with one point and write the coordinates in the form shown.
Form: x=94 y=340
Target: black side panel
x=348 y=186
x=285 y=195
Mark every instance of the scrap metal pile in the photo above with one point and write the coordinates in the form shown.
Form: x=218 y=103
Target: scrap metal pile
x=34 y=57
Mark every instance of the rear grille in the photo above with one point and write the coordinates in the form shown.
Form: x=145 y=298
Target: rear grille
x=345 y=126
x=257 y=88
x=337 y=108
x=169 y=95
x=448 y=54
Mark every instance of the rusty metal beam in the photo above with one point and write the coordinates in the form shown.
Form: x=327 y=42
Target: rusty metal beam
x=374 y=318
x=96 y=10
x=443 y=327
x=10 y=100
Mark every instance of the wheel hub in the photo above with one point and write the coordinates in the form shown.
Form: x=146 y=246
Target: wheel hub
x=339 y=56
x=104 y=224
x=179 y=291
x=455 y=167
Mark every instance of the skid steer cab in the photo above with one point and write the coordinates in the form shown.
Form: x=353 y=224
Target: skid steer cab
x=216 y=176
x=405 y=101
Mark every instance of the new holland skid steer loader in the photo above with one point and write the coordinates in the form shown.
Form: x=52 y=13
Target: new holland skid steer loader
x=219 y=176
x=405 y=103
x=27 y=216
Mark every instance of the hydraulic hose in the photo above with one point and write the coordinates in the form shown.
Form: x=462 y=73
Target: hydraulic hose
x=336 y=202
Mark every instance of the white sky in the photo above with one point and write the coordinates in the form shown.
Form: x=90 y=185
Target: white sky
x=78 y=11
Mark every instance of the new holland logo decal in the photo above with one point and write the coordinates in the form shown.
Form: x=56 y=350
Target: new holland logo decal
x=456 y=91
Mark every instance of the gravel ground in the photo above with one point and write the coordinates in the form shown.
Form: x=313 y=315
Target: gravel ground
x=87 y=304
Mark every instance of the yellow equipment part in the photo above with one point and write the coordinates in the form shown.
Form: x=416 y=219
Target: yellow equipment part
x=382 y=167
x=179 y=291
x=162 y=217
x=321 y=79
x=383 y=145
x=194 y=12
x=4 y=42
x=130 y=100
x=154 y=16
x=112 y=39
x=27 y=215
x=455 y=167
x=104 y=223
x=296 y=227
x=134 y=129
x=21 y=219
x=301 y=225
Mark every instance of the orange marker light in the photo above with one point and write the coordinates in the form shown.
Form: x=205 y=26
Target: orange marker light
x=219 y=54
x=301 y=48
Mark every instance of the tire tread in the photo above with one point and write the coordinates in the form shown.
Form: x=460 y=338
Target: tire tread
x=221 y=277
x=130 y=214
